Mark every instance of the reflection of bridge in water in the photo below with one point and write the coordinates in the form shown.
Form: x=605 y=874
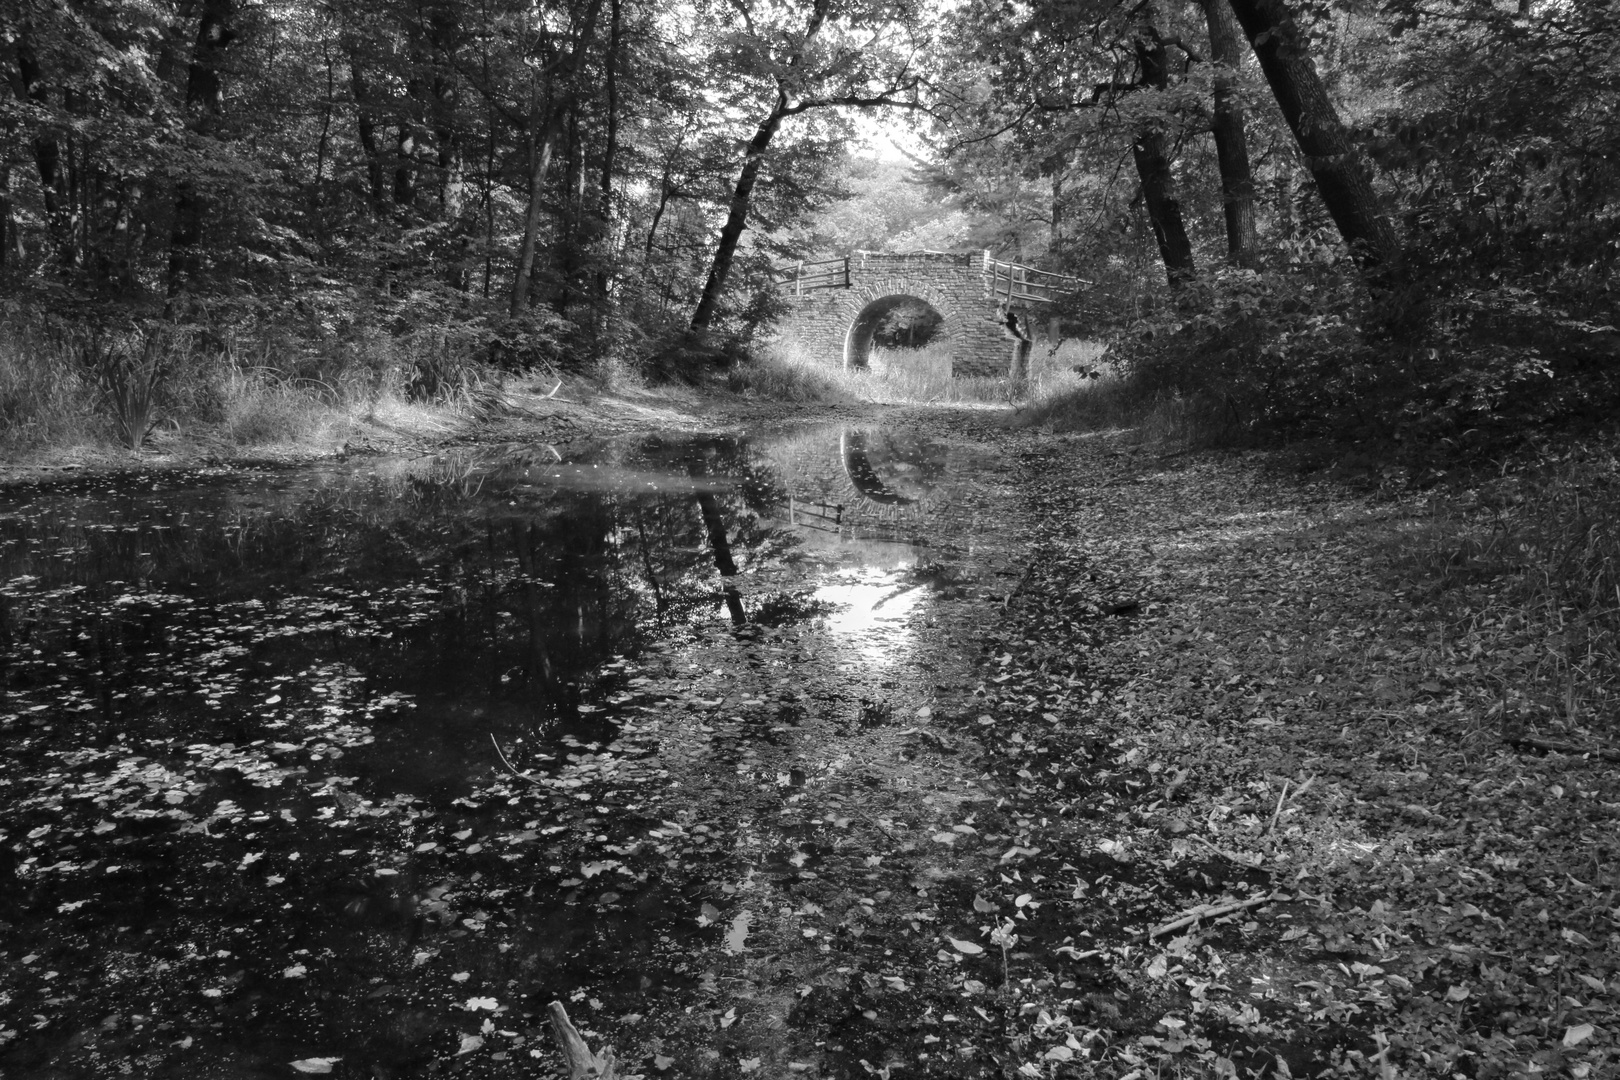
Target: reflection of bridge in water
x=880 y=487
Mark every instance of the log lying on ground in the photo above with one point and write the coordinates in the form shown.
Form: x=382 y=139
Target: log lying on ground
x=582 y=1064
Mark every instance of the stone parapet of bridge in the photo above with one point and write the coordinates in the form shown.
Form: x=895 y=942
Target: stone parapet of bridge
x=985 y=306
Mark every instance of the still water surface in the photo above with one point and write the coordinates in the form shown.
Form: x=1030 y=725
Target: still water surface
x=264 y=730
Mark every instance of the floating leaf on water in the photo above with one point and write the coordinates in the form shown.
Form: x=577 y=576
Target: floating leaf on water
x=315 y=1065
x=708 y=915
x=297 y=971
x=461 y=976
x=469 y=1043
x=966 y=947
x=487 y=1003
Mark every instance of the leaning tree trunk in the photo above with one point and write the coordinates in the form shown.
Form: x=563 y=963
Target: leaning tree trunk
x=1340 y=168
x=753 y=160
x=1231 y=138
x=737 y=216
x=1153 y=166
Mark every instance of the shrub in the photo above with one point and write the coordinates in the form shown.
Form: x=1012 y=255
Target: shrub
x=1274 y=356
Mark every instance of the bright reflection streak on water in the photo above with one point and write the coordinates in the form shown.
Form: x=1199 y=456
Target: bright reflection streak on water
x=872 y=612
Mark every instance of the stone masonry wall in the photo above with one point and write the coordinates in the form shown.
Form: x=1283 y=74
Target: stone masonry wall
x=954 y=285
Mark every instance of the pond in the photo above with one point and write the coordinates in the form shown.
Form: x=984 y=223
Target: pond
x=351 y=768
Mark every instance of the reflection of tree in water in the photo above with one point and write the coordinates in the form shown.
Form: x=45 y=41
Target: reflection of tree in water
x=489 y=592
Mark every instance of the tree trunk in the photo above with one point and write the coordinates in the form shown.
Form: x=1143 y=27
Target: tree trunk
x=405 y=165
x=1153 y=166
x=540 y=165
x=545 y=125
x=665 y=191
x=1337 y=163
x=8 y=223
x=753 y=159
x=737 y=216
x=444 y=31
x=610 y=147
x=47 y=152
x=1231 y=138
x=1283 y=199
x=571 y=230
x=366 y=127
x=205 y=96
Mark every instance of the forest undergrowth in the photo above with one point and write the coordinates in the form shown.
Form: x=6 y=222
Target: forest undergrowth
x=1310 y=783
x=100 y=391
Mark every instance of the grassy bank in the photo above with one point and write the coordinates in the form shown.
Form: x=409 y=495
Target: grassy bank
x=81 y=395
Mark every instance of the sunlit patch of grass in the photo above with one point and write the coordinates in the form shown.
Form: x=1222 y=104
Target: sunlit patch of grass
x=784 y=375
x=63 y=390
x=262 y=408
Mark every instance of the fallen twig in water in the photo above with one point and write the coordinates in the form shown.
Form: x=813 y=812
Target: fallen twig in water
x=509 y=767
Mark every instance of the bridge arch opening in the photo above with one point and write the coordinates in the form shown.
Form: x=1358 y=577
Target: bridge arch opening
x=897 y=321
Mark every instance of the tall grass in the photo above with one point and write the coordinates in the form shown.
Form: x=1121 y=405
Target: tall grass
x=46 y=399
x=71 y=390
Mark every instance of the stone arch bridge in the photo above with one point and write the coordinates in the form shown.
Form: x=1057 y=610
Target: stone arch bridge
x=989 y=311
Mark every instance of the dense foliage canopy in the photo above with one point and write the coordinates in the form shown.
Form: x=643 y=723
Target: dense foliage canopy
x=1302 y=179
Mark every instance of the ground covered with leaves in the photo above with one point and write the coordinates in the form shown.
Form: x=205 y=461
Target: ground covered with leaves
x=1144 y=767
x=1288 y=819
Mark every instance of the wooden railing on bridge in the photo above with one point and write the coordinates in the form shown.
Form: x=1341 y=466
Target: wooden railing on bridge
x=1003 y=280
x=803 y=277
x=1012 y=281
